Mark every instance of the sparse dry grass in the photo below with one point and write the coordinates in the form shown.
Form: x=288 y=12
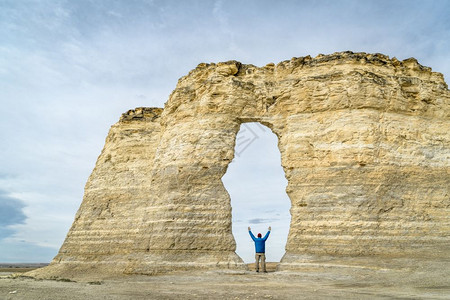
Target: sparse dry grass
x=16 y=270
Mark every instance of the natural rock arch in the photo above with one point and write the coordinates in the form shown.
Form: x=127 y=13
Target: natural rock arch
x=257 y=184
x=364 y=142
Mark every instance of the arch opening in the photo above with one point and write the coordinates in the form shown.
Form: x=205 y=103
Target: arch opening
x=256 y=183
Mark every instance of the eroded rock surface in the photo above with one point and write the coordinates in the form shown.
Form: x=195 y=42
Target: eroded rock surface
x=364 y=142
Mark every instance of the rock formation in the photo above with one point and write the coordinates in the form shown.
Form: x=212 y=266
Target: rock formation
x=364 y=142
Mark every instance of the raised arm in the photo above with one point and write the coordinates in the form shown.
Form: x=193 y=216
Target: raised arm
x=251 y=234
x=267 y=234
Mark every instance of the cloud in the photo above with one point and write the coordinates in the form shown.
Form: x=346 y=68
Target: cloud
x=11 y=213
x=12 y=251
x=261 y=221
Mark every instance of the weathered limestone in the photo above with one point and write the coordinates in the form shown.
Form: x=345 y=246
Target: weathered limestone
x=364 y=143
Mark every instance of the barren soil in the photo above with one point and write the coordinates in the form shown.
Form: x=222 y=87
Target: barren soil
x=337 y=280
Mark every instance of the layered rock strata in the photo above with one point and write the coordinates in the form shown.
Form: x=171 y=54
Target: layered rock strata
x=364 y=142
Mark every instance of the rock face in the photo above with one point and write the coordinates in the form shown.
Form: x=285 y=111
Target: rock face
x=364 y=142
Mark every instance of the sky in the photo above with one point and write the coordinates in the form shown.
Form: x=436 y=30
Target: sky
x=68 y=69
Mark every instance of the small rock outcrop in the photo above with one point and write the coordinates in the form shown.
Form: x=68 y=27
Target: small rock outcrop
x=364 y=142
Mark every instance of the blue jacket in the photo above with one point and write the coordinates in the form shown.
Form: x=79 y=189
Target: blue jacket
x=260 y=243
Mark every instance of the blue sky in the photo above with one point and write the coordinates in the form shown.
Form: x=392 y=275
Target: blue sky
x=68 y=69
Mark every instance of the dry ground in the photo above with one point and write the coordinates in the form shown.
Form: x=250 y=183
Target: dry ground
x=337 y=280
